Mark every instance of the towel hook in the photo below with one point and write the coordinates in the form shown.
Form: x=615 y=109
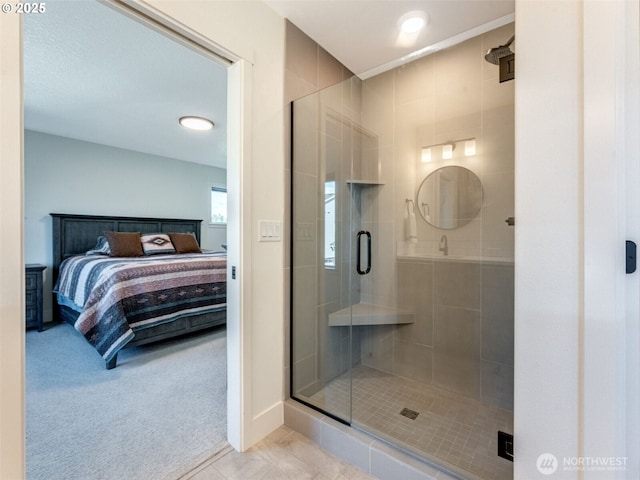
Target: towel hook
x=409 y=201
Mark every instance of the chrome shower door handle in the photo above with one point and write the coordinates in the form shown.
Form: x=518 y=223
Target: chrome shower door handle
x=358 y=243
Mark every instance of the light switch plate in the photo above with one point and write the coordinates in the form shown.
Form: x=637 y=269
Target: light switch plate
x=269 y=231
x=305 y=232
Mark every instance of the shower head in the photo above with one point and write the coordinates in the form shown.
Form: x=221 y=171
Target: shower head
x=496 y=53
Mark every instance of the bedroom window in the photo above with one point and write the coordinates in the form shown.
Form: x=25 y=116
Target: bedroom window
x=218 y=206
x=330 y=224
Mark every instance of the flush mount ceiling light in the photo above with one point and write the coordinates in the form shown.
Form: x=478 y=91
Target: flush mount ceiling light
x=196 y=123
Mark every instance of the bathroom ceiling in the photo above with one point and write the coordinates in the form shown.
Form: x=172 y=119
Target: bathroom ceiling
x=364 y=35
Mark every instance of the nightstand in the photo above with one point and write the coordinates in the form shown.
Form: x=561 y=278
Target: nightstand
x=33 y=295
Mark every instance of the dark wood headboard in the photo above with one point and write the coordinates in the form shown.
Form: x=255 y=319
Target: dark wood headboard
x=75 y=234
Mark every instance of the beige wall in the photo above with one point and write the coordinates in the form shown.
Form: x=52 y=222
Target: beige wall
x=309 y=67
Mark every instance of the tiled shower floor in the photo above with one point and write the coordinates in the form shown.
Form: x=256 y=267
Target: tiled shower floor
x=450 y=428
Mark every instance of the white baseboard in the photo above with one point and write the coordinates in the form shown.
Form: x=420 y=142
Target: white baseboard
x=264 y=423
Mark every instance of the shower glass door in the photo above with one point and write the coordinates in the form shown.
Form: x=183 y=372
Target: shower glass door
x=402 y=256
x=343 y=251
x=322 y=285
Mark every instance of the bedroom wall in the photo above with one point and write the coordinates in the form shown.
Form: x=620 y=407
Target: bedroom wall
x=63 y=175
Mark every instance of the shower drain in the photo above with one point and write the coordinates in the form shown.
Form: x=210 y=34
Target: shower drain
x=412 y=414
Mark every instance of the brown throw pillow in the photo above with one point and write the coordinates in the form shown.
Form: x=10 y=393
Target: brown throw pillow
x=124 y=244
x=156 y=244
x=185 y=243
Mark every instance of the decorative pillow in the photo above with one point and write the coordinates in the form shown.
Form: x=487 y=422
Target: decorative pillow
x=101 y=248
x=185 y=243
x=124 y=244
x=156 y=243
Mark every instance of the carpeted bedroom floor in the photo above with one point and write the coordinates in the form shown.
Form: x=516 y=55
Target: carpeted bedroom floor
x=157 y=415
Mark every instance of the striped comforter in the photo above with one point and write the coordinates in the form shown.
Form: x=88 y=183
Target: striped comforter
x=117 y=296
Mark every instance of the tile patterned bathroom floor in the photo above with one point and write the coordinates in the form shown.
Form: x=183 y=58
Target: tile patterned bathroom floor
x=282 y=455
x=449 y=428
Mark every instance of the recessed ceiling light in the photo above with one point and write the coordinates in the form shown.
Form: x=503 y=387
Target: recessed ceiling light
x=196 y=123
x=413 y=22
x=412 y=25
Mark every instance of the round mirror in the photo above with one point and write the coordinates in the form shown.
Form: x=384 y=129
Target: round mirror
x=450 y=197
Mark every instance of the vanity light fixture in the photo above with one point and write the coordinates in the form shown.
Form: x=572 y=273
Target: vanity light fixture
x=425 y=154
x=448 y=148
x=469 y=147
x=196 y=123
x=447 y=151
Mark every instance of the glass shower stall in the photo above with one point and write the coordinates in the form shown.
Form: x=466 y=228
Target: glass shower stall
x=402 y=257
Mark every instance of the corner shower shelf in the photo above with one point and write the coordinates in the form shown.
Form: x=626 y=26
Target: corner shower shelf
x=364 y=183
x=367 y=314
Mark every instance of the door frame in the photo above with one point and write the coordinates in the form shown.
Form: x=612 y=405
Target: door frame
x=239 y=107
x=238 y=196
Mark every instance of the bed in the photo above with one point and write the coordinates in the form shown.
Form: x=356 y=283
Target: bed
x=123 y=302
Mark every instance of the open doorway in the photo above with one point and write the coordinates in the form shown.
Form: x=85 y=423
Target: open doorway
x=66 y=171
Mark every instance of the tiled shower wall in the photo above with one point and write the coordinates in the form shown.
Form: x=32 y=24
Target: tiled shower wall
x=462 y=335
x=309 y=68
x=461 y=341
x=451 y=94
x=462 y=338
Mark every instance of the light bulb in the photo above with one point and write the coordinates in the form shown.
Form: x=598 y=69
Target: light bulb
x=425 y=155
x=469 y=148
x=447 y=151
x=196 y=123
x=413 y=25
